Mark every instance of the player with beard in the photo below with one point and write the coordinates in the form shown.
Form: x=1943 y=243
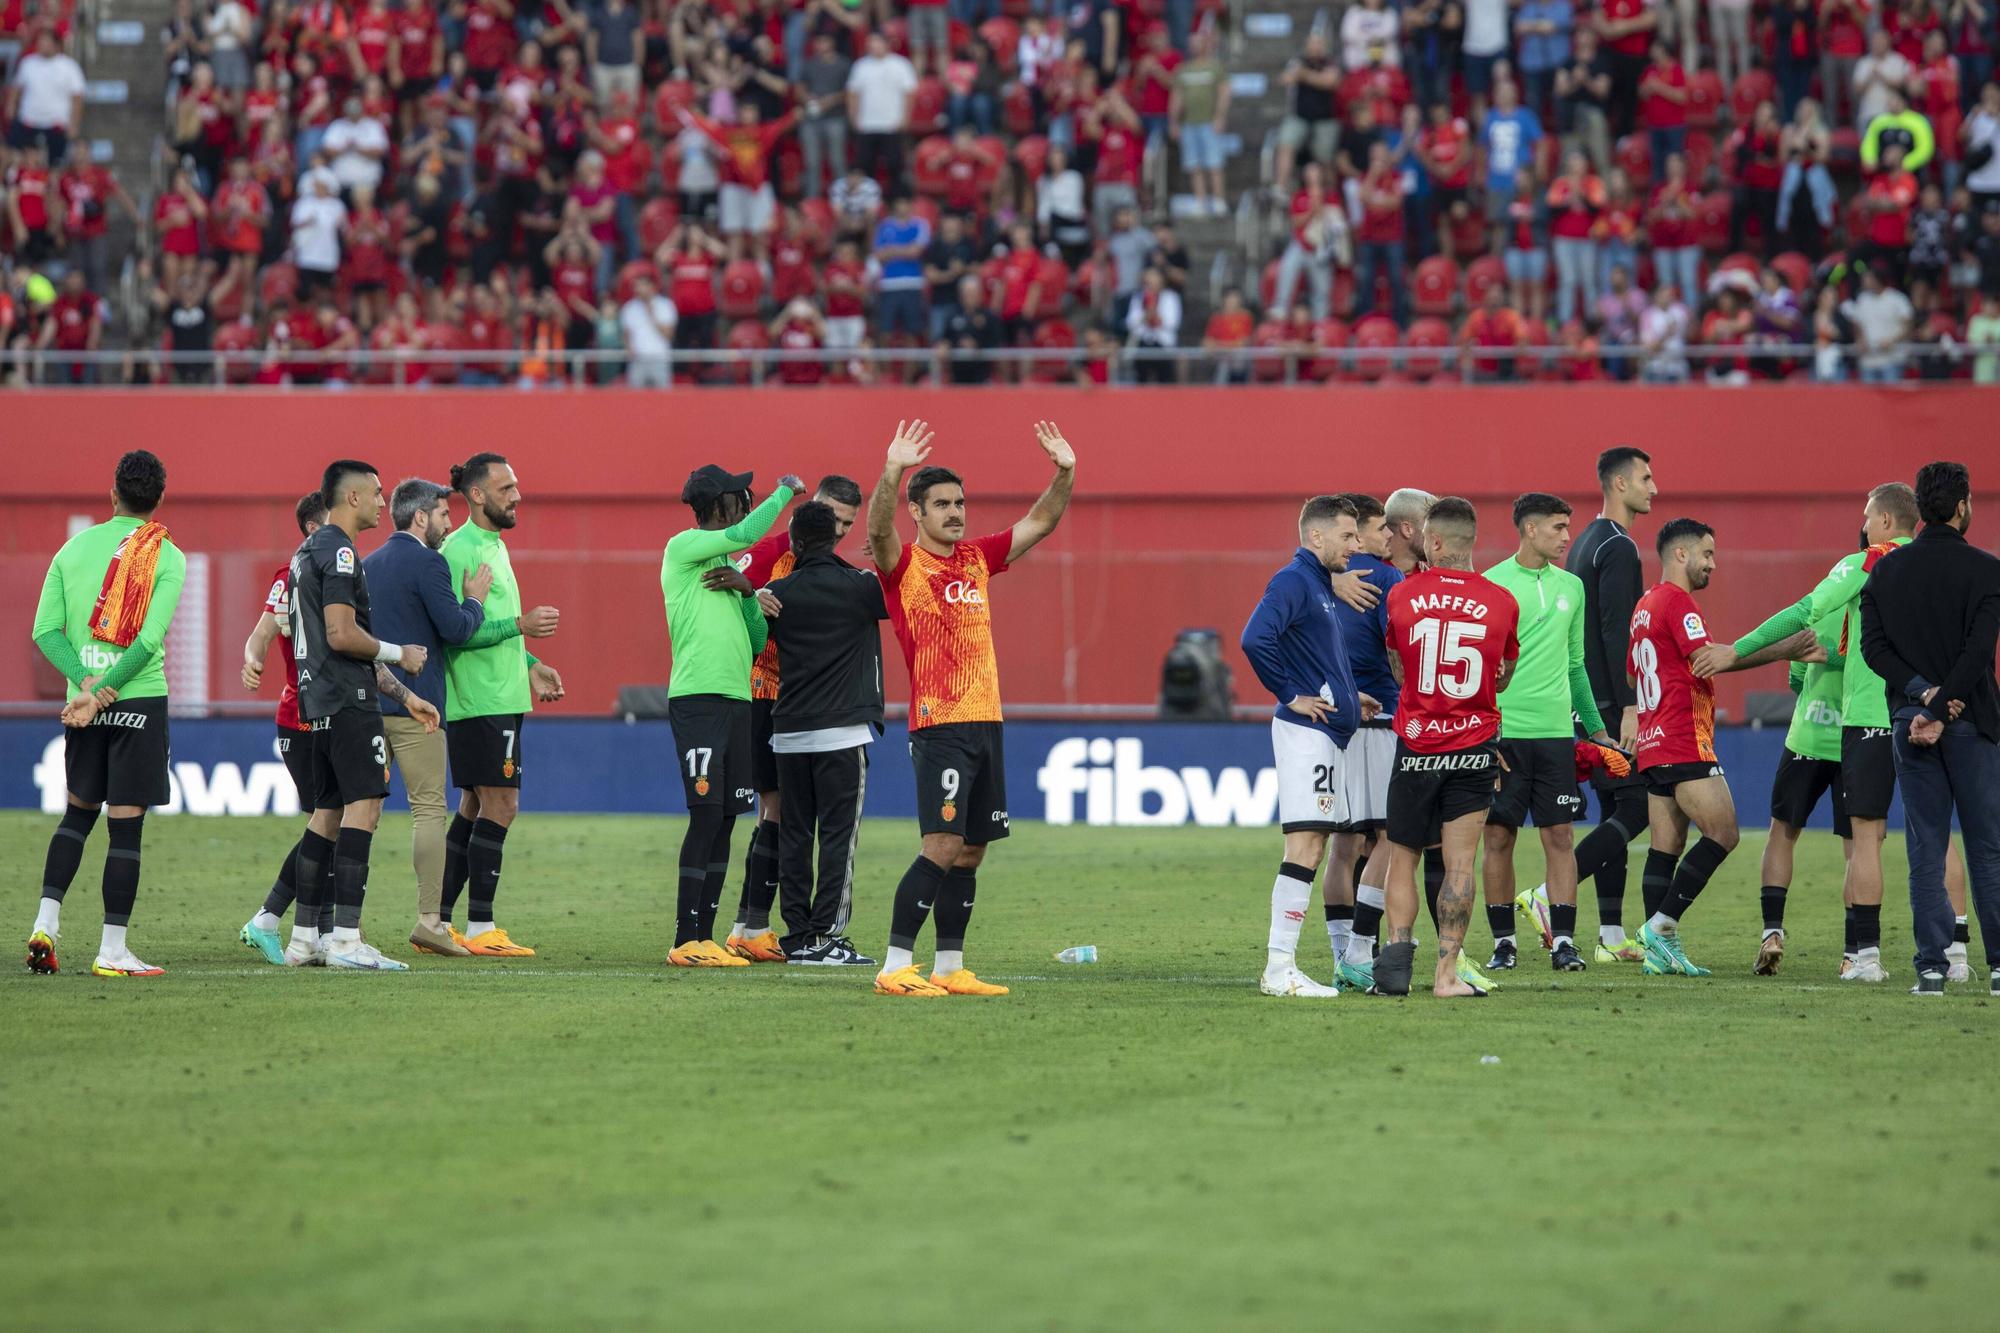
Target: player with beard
x=295 y=747
x=769 y=560
x=1676 y=745
x=492 y=683
x=1606 y=558
x=1452 y=643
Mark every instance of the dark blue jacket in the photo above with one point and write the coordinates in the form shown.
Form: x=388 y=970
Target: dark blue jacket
x=1365 y=634
x=1293 y=643
x=412 y=601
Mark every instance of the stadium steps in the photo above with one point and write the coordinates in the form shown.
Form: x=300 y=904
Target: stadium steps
x=123 y=112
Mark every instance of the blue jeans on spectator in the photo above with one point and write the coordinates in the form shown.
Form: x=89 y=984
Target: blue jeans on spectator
x=1616 y=254
x=481 y=378
x=1664 y=144
x=1576 y=276
x=941 y=314
x=900 y=311
x=309 y=140
x=974 y=109
x=1886 y=374
x=1682 y=267
x=1180 y=23
x=1299 y=261
x=1818 y=183
x=972 y=13
x=1795 y=83
x=1961 y=772
x=795 y=44
x=1062 y=133
x=1368 y=255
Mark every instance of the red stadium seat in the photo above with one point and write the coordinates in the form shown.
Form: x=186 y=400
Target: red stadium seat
x=747 y=335
x=675 y=95
x=1634 y=154
x=277 y=285
x=1017 y=110
x=1752 y=86
x=1434 y=286
x=1052 y=335
x=1481 y=274
x=1330 y=336
x=1004 y=36
x=1742 y=263
x=1342 y=303
x=1267 y=288
x=1086 y=280
x=443 y=338
x=1711 y=222
x=742 y=289
x=1795 y=268
x=927 y=106
x=1269 y=368
x=1705 y=98
x=1433 y=336
x=238 y=337
x=1376 y=332
x=996 y=150
x=1051 y=281
x=926 y=208
x=1032 y=153
x=657 y=221
x=818 y=216
x=897 y=33
x=630 y=274
x=927 y=164
x=1700 y=154
x=789 y=175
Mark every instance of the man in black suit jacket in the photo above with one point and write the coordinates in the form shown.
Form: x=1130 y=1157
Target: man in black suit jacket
x=1930 y=616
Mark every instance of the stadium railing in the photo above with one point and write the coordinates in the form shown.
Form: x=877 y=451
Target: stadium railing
x=1041 y=366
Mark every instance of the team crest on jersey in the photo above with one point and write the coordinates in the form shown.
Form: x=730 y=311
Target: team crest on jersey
x=1692 y=624
x=949 y=812
x=507 y=768
x=1562 y=603
x=343 y=560
x=1325 y=804
x=700 y=786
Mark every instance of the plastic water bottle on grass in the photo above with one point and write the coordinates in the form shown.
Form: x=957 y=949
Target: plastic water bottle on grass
x=1081 y=953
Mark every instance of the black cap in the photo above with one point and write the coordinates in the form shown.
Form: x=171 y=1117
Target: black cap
x=706 y=484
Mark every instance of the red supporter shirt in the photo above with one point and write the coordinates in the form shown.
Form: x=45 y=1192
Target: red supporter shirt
x=692 y=284
x=1670 y=228
x=1381 y=222
x=845 y=282
x=942 y=614
x=1632 y=43
x=31 y=196
x=1452 y=629
x=373 y=33
x=573 y=283
x=489 y=39
x=1840 y=30
x=73 y=315
x=1305 y=211
x=279 y=603
x=792 y=273
x=797 y=335
x=179 y=233
x=1118 y=157
x=1657 y=112
x=365 y=250
x=624 y=165
x=1676 y=707
x=417 y=30
x=1892 y=227
x=1568 y=220
x=259 y=108
x=746 y=149
x=1156 y=92
x=961 y=182
x=239 y=212
x=769 y=560
x=1449 y=148
x=82 y=187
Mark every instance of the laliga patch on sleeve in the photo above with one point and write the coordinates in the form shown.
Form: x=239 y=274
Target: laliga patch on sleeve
x=1691 y=623
x=343 y=563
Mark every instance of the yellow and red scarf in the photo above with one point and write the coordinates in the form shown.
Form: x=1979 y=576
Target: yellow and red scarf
x=128 y=586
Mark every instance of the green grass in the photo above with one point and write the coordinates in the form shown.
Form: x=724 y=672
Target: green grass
x=590 y=1140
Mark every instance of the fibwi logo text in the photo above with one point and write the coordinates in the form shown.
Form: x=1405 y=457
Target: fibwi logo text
x=1118 y=787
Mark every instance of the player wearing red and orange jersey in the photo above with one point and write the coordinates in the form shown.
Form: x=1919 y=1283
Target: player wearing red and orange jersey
x=937 y=593
x=1452 y=640
x=765 y=563
x=1676 y=749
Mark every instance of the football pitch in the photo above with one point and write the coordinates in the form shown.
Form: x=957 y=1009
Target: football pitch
x=590 y=1139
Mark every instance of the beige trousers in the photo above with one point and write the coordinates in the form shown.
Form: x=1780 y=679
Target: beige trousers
x=421 y=760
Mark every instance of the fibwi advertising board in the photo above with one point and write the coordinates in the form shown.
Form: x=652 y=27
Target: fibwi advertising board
x=1133 y=775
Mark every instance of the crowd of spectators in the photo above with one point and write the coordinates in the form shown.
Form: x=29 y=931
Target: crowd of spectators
x=1605 y=183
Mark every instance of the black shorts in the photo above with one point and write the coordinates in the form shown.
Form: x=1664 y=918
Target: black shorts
x=296 y=749
x=961 y=780
x=1428 y=791
x=415 y=90
x=485 y=751
x=1661 y=779
x=1796 y=790
x=350 y=759
x=1868 y=771
x=1539 y=779
x=712 y=741
x=763 y=760
x=122 y=757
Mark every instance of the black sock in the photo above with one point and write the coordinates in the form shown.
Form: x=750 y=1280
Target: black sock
x=1367 y=920
x=329 y=891
x=1772 y=898
x=1500 y=919
x=760 y=878
x=716 y=877
x=1433 y=880
x=1562 y=921
x=1602 y=857
x=1867 y=926
x=66 y=850
x=1852 y=933
x=691 y=897
x=1691 y=876
x=954 y=906
x=121 y=869
x=312 y=884
x=919 y=889
x=456 y=864
x=1340 y=911
x=484 y=851
x=1657 y=879
x=286 y=887
x=350 y=877
x=1961 y=933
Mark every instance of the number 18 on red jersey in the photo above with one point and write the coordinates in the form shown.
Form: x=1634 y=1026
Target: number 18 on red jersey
x=1452 y=630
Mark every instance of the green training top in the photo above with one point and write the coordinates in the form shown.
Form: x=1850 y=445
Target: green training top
x=1549 y=681
x=1863 y=702
x=713 y=641
x=69 y=596
x=487 y=675
x=1815 y=729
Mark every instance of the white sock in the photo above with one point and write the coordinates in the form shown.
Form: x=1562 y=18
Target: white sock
x=264 y=920
x=1289 y=898
x=347 y=934
x=113 y=944
x=1663 y=924
x=1360 y=950
x=1279 y=960
x=306 y=935
x=48 y=917
x=1371 y=895
x=1505 y=939
x=1869 y=954
x=737 y=928
x=1338 y=933
x=1769 y=931
x=1611 y=936
x=895 y=960
x=1560 y=941
x=474 y=929
x=948 y=962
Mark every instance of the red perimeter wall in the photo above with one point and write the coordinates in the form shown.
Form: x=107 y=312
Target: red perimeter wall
x=1185 y=497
